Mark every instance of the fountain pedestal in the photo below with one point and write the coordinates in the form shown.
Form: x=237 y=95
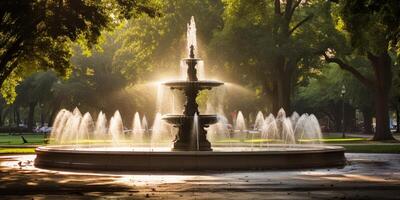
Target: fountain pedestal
x=191 y=136
x=191 y=142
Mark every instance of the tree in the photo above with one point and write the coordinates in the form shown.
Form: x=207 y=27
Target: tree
x=273 y=44
x=395 y=93
x=38 y=34
x=322 y=96
x=96 y=82
x=373 y=32
x=33 y=91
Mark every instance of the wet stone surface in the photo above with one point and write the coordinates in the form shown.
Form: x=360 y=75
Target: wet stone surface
x=367 y=176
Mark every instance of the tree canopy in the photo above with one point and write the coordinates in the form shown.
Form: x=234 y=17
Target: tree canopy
x=37 y=34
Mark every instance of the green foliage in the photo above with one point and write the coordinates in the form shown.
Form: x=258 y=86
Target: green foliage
x=152 y=47
x=38 y=34
x=8 y=88
x=272 y=47
x=326 y=89
x=95 y=83
x=373 y=25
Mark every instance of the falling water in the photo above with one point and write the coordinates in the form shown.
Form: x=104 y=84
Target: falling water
x=160 y=98
x=100 y=131
x=240 y=124
x=136 y=125
x=58 y=126
x=307 y=128
x=173 y=103
x=70 y=132
x=145 y=126
x=259 y=123
x=287 y=131
x=316 y=129
x=86 y=128
x=160 y=131
x=294 y=118
x=215 y=104
x=73 y=128
x=183 y=70
x=116 y=129
x=269 y=130
x=200 y=70
x=195 y=131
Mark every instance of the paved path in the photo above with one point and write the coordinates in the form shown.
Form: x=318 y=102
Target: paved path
x=368 y=176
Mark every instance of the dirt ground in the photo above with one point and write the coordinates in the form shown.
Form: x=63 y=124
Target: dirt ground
x=367 y=176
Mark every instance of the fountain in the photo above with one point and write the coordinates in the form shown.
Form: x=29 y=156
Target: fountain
x=269 y=142
x=191 y=87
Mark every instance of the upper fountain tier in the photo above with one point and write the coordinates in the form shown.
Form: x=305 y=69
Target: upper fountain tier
x=195 y=85
x=192 y=82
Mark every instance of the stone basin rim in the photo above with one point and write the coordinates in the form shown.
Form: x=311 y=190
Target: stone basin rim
x=296 y=150
x=65 y=159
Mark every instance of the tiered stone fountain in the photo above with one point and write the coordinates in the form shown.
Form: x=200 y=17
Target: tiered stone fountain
x=191 y=150
x=191 y=134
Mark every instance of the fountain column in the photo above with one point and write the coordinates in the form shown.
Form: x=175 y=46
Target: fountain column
x=189 y=132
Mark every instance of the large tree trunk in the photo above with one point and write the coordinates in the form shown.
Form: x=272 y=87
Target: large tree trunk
x=383 y=76
x=380 y=85
x=31 y=115
x=367 y=123
x=281 y=35
x=17 y=115
x=350 y=118
x=53 y=113
x=274 y=98
x=13 y=117
x=42 y=118
x=382 y=117
x=284 y=91
x=284 y=82
x=270 y=93
x=4 y=116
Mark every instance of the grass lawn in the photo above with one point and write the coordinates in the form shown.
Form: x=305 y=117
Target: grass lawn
x=13 y=150
x=7 y=139
x=16 y=144
x=372 y=148
x=352 y=144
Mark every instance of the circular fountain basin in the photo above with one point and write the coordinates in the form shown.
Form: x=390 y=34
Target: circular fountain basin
x=180 y=119
x=203 y=84
x=163 y=159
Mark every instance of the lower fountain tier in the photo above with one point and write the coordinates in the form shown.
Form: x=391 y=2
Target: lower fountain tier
x=181 y=119
x=275 y=157
x=200 y=85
